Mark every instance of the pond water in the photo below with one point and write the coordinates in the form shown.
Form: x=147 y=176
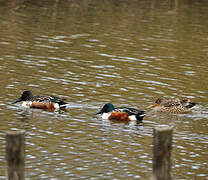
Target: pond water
x=93 y=52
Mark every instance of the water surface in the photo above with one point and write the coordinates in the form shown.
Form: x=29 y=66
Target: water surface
x=93 y=52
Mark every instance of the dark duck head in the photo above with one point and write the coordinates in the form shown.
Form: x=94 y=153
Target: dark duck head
x=25 y=96
x=106 y=108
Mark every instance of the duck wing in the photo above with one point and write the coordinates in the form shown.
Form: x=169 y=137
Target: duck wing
x=58 y=100
x=129 y=111
x=53 y=99
x=171 y=104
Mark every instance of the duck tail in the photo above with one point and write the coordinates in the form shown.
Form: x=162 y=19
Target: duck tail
x=63 y=106
x=191 y=104
x=140 y=115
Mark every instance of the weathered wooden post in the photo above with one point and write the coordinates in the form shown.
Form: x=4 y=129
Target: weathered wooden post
x=15 y=155
x=162 y=145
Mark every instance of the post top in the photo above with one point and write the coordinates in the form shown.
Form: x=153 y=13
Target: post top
x=15 y=132
x=163 y=128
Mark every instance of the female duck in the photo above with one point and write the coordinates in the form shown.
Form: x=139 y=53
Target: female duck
x=173 y=106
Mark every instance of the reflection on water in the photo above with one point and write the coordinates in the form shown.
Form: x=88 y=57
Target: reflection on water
x=127 y=53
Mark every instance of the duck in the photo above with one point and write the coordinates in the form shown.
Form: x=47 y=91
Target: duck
x=172 y=105
x=40 y=102
x=122 y=114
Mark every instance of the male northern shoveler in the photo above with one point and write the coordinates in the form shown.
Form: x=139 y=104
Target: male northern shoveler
x=120 y=113
x=173 y=106
x=40 y=102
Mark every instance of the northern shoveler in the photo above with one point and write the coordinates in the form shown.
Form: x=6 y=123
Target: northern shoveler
x=173 y=106
x=120 y=113
x=40 y=102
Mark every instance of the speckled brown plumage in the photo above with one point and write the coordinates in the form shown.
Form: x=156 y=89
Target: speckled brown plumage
x=173 y=105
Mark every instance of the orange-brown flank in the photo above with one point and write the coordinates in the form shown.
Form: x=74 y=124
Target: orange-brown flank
x=119 y=116
x=43 y=105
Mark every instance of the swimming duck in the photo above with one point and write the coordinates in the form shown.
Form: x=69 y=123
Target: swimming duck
x=173 y=105
x=108 y=111
x=40 y=102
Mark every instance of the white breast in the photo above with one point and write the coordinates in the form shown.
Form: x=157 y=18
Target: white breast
x=26 y=103
x=105 y=115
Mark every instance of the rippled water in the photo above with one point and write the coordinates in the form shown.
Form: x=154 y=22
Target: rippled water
x=91 y=52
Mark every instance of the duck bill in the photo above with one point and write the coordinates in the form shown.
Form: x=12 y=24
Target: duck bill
x=152 y=106
x=17 y=100
x=99 y=112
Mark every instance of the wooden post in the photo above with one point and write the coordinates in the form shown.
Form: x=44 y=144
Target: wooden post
x=15 y=155
x=162 y=144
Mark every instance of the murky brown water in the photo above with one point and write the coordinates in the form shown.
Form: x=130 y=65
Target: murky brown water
x=93 y=52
